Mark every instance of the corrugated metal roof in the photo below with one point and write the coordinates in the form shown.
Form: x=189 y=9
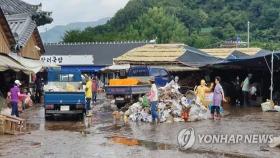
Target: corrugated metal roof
x=103 y=53
x=22 y=27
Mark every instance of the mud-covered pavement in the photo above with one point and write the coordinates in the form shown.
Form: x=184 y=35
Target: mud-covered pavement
x=67 y=137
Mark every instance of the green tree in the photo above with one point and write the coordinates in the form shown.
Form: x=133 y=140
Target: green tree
x=72 y=36
x=229 y=31
x=157 y=24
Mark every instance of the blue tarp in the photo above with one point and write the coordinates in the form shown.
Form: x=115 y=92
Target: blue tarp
x=236 y=55
x=261 y=60
x=196 y=58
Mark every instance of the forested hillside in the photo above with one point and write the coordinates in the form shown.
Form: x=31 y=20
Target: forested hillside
x=199 y=23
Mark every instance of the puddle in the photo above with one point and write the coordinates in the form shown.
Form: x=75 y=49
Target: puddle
x=64 y=126
x=111 y=128
x=32 y=126
x=35 y=144
x=147 y=144
x=162 y=146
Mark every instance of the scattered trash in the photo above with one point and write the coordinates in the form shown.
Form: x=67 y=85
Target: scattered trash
x=275 y=142
x=277 y=108
x=172 y=107
x=269 y=106
x=6 y=111
x=263 y=148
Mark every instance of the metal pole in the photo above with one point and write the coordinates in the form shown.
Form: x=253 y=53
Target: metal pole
x=272 y=69
x=248 y=35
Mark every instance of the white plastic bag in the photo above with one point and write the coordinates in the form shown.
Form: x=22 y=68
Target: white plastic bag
x=277 y=108
x=266 y=106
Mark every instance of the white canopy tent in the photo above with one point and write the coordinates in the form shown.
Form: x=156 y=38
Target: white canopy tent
x=32 y=65
x=8 y=63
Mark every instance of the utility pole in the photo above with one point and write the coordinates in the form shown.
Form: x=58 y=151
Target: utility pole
x=272 y=70
x=248 y=40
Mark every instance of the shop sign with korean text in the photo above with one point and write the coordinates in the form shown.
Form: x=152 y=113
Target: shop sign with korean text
x=68 y=59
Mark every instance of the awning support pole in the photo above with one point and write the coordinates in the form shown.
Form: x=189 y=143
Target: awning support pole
x=268 y=66
x=271 y=78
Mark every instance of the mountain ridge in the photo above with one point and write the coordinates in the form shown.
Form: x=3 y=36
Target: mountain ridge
x=55 y=34
x=198 y=23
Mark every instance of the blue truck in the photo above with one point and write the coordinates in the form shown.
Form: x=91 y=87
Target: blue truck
x=59 y=98
x=127 y=94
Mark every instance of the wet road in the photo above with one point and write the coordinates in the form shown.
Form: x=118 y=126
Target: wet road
x=68 y=138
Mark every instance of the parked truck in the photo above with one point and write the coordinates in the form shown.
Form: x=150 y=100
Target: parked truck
x=64 y=93
x=124 y=94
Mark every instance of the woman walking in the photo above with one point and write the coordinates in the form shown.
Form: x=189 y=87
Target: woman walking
x=218 y=97
x=14 y=96
x=153 y=97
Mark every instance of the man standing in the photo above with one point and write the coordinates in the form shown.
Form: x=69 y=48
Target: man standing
x=245 y=89
x=39 y=89
x=237 y=93
x=14 y=95
x=88 y=93
x=94 y=89
x=153 y=97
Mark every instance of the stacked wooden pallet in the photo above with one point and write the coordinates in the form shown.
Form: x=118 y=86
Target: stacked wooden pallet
x=12 y=125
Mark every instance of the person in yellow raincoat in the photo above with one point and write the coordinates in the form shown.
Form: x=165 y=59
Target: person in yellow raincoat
x=201 y=90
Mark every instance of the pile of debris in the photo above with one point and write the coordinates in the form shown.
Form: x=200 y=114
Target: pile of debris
x=172 y=106
x=269 y=106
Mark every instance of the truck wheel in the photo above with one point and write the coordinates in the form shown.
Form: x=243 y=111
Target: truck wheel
x=48 y=116
x=81 y=116
x=120 y=106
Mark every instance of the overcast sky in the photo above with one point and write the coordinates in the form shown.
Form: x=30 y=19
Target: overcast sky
x=68 y=11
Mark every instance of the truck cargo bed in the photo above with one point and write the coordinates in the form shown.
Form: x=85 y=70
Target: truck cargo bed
x=64 y=98
x=127 y=90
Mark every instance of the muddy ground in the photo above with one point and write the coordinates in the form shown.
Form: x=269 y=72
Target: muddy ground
x=67 y=137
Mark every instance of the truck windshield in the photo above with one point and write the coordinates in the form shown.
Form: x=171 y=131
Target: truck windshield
x=138 y=71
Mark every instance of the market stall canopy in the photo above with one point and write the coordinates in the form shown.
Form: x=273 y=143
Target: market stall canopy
x=225 y=52
x=236 y=55
x=50 y=65
x=32 y=65
x=259 y=61
x=116 y=67
x=7 y=63
x=196 y=58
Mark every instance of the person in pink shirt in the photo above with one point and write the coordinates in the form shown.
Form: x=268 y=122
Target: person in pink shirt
x=218 y=97
x=14 y=96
